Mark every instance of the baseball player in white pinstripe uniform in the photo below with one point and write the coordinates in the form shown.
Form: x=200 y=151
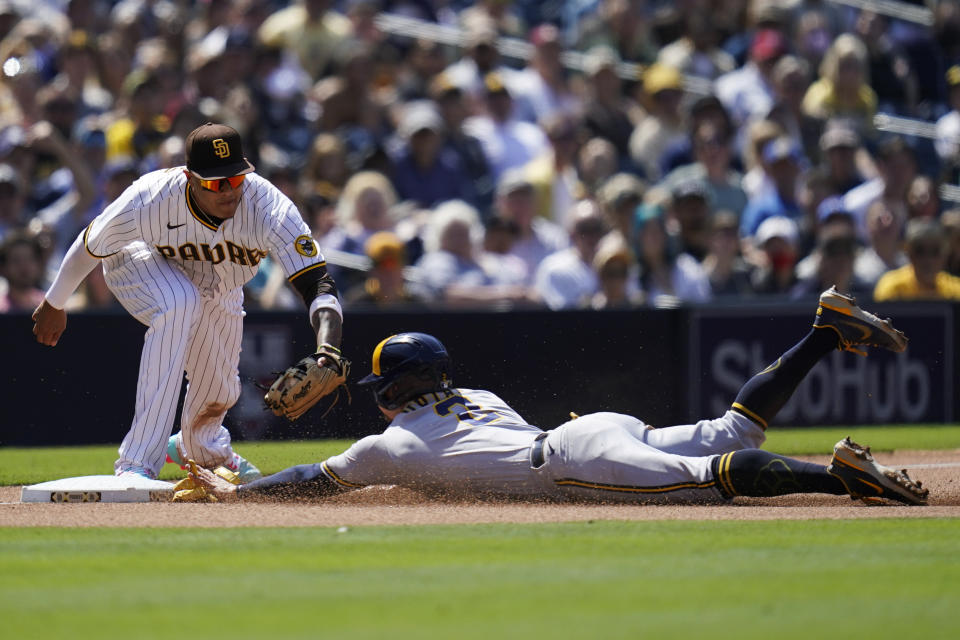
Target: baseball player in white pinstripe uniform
x=469 y=443
x=176 y=248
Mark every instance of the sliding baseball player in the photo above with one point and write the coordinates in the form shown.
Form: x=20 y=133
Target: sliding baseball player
x=464 y=442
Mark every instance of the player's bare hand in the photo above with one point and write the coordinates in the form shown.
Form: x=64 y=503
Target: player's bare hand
x=49 y=323
x=214 y=484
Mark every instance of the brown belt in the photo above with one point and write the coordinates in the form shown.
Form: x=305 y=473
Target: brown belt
x=536 y=451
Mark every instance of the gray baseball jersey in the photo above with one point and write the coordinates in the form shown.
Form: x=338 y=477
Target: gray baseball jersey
x=467 y=442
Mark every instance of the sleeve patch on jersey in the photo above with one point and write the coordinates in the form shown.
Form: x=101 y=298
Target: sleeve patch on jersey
x=305 y=246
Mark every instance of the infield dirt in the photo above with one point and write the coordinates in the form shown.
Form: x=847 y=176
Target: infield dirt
x=938 y=470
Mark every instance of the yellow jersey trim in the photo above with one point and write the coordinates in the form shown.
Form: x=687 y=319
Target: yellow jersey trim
x=750 y=414
x=98 y=257
x=723 y=474
x=194 y=213
x=304 y=270
x=340 y=481
x=572 y=482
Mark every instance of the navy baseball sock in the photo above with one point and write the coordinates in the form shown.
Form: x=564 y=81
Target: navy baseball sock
x=763 y=395
x=758 y=473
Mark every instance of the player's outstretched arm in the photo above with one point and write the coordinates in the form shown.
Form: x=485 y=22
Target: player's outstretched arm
x=300 y=481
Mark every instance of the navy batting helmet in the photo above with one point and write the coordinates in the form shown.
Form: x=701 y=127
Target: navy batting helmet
x=405 y=366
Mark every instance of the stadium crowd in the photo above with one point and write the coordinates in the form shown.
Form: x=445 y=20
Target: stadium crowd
x=646 y=152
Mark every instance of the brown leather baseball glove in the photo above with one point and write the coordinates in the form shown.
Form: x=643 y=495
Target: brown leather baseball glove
x=303 y=385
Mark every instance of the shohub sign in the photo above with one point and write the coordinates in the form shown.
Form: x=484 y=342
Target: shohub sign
x=729 y=346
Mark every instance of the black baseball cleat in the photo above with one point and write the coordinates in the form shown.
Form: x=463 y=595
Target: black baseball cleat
x=868 y=480
x=854 y=325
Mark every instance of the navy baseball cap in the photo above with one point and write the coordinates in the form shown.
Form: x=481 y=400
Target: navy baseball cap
x=216 y=151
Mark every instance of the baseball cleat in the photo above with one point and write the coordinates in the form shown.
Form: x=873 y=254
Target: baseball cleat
x=854 y=325
x=173 y=452
x=244 y=470
x=136 y=471
x=868 y=480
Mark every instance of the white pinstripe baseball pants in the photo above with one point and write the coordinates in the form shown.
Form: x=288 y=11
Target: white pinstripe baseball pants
x=186 y=332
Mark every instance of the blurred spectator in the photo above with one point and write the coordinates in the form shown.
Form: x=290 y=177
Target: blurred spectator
x=838 y=148
x=622 y=26
x=21 y=265
x=666 y=276
x=424 y=60
x=760 y=133
x=507 y=142
x=501 y=266
x=947 y=142
x=540 y=90
x=12 y=200
x=951 y=227
x=813 y=33
x=362 y=16
x=782 y=160
x=449 y=271
x=688 y=218
x=311 y=30
x=843 y=90
x=325 y=171
x=554 y=172
x=748 y=21
x=889 y=66
x=384 y=286
x=832 y=260
x=538 y=237
x=747 y=92
x=896 y=169
x=922 y=198
x=496 y=13
x=480 y=58
x=363 y=208
x=883 y=252
x=728 y=272
x=348 y=102
x=169 y=154
x=616 y=269
x=704 y=109
x=712 y=167
x=453 y=109
x=663 y=124
x=597 y=162
x=925 y=277
x=619 y=198
x=791 y=79
x=776 y=238
x=698 y=52
x=423 y=171
x=566 y=279
x=143 y=127
x=606 y=113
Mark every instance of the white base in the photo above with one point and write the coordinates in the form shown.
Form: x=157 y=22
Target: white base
x=126 y=488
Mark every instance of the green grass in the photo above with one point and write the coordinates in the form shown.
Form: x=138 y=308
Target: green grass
x=814 y=440
x=34 y=464
x=865 y=578
x=27 y=465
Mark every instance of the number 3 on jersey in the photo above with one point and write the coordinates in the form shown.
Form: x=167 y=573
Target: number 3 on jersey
x=468 y=414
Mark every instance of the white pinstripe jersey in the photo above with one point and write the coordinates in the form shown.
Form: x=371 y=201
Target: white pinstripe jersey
x=154 y=210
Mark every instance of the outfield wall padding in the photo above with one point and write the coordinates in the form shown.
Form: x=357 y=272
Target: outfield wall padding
x=665 y=366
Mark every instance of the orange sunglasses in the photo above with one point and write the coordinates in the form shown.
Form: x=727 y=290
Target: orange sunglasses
x=215 y=185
